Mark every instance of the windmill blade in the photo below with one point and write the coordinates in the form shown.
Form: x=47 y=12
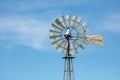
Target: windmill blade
x=62 y=44
x=79 y=29
x=74 y=45
x=63 y=20
x=82 y=46
x=76 y=50
x=80 y=35
x=79 y=20
x=65 y=48
x=68 y=20
x=58 y=48
x=85 y=41
x=56 y=27
x=77 y=23
x=84 y=25
x=86 y=30
x=95 y=39
x=55 y=37
x=70 y=47
x=68 y=17
x=54 y=32
x=70 y=51
x=57 y=42
x=74 y=21
x=74 y=18
x=65 y=51
x=59 y=24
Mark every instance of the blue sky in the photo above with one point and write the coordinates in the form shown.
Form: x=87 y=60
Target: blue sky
x=25 y=49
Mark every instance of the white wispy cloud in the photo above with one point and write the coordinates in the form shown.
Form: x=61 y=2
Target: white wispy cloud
x=42 y=4
x=27 y=31
x=111 y=22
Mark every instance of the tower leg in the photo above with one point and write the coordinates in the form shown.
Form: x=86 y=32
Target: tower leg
x=68 y=69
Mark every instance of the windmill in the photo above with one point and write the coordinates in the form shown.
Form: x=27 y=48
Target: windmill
x=69 y=35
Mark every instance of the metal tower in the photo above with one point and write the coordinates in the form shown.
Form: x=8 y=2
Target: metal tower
x=68 y=66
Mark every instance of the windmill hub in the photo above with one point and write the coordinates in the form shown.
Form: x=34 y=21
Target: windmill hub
x=69 y=33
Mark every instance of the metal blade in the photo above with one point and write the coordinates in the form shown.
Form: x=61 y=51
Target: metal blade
x=55 y=37
x=66 y=45
x=59 y=24
x=70 y=51
x=78 y=23
x=62 y=44
x=54 y=32
x=76 y=50
x=77 y=43
x=81 y=46
x=75 y=46
x=65 y=48
x=58 y=48
x=68 y=20
x=68 y=17
x=86 y=30
x=84 y=25
x=79 y=20
x=79 y=29
x=57 y=42
x=56 y=27
x=63 y=20
x=74 y=18
x=85 y=42
x=74 y=21
x=95 y=39
x=80 y=35
x=71 y=48
x=65 y=51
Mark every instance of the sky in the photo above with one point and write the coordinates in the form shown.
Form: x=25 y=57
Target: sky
x=26 y=52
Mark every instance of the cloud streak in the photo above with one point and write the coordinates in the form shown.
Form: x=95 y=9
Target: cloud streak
x=112 y=22
x=25 y=31
x=42 y=4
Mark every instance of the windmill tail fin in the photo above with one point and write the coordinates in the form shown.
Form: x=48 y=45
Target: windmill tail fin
x=95 y=39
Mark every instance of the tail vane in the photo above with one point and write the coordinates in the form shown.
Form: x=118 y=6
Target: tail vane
x=95 y=40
